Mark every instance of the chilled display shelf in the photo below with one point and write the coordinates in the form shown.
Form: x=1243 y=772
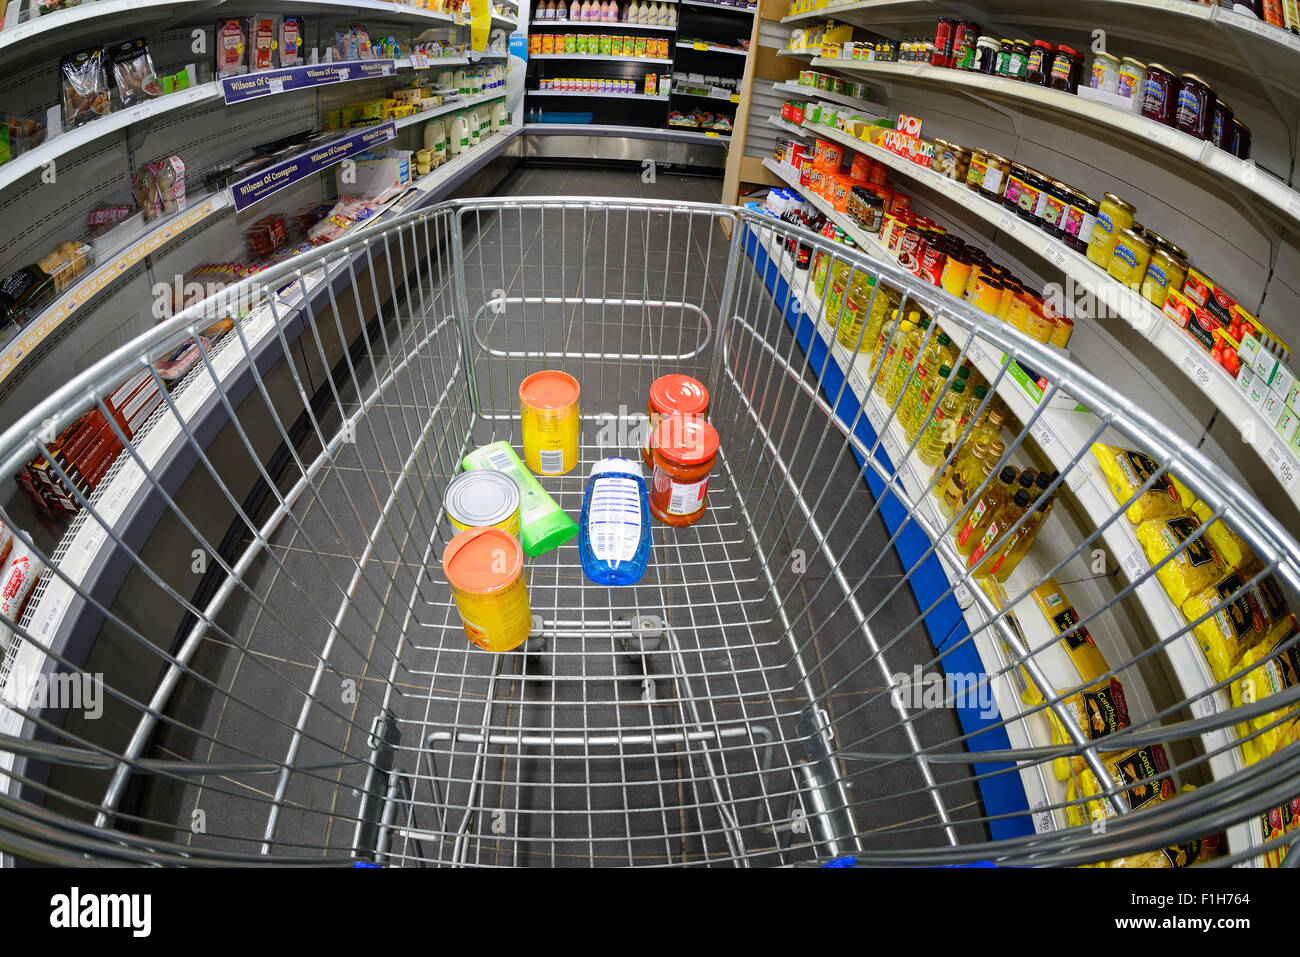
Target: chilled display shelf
x=602 y=25
x=1148 y=321
x=703 y=47
x=606 y=96
x=866 y=106
x=85 y=548
x=669 y=134
x=452 y=107
x=1064 y=434
x=598 y=58
x=1241 y=174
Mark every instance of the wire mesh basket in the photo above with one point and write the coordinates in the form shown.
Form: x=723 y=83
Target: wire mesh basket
x=816 y=669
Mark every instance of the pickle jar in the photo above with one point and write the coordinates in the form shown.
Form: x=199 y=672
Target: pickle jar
x=1130 y=257
x=979 y=164
x=1015 y=185
x=994 y=184
x=1113 y=215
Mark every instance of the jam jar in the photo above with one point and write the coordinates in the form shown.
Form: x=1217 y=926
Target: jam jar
x=1080 y=221
x=1030 y=202
x=1105 y=73
x=1006 y=48
x=987 y=50
x=1056 y=203
x=1040 y=62
x=1159 y=96
x=1221 y=125
x=1132 y=74
x=1067 y=67
x=1195 y=110
x=1019 y=65
x=1015 y=185
x=1240 y=142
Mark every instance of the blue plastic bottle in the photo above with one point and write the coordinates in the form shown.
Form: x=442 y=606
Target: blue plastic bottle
x=614 y=533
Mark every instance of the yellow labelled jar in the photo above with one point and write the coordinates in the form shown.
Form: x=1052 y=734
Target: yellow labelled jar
x=988 y=293
x=1062 y=329
x=1165 y=272
x=485 y=569
x=1130 y=258
x=549 y=413
x=1018 y=316
x=1039 y=324
x=1113 y=215
x=483 y=498
x=1008 y=298
x=955 y=275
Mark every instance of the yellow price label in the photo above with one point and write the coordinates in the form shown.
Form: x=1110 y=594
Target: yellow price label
x=735 y=98
x=701 y=46
x=714 y=135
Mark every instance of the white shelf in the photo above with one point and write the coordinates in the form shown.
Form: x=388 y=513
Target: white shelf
x=702 y=47
x=1063 y=434
x=729 y=98
x=789 y=127
x=585 y=57
x=1148 y=321
x=1234 y=172
x=669 y=134
x=420 y=117
x=866 y=106
x=539 y=25
x=610 y=96
x=725 y=7
x=800 y=54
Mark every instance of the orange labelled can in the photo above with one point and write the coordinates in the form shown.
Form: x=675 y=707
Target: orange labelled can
x=549 y=414
x=485 y=569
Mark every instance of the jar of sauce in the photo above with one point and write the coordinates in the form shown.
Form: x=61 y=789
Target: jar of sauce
x=1080 y=221
x=1159 y=96
x=1015 y=183
x=867 y=209
x=1067 y=67
x=994 y=183
x=1113 y=215
x=1221 y=125
x=684 y=449
x=1056 y=202
x=987 y=50
x=1195 y=111
x=1164 y=272
x=1132 y=74
x=964 y=45
x=1240 y=139
x=673 y=394
x=1160 y=241
x=1105 y=73
x=1018 y=67
x=1040 y=62
x=943 y=39
x=1130 y=258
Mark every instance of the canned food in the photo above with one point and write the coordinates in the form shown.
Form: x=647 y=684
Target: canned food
x=485 y=569
x=482 y=498
x=549 y=415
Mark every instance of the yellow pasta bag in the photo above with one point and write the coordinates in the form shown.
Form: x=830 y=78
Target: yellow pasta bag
x=1230 y=547
x=1175 y=855
x=1098 y=710
x=1273 y=669
x=1195 y=568
x=1127 y=471
x=1130 y=770
x=1277 y=822
x=1235 y=623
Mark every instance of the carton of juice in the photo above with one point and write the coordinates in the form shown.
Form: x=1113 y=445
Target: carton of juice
x=650 y=80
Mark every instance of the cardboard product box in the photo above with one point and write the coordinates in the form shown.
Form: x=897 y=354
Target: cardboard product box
x=1287 y=425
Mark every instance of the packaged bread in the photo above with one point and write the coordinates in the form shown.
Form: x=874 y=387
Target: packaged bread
x=1196 y=567
x=1230 y=547
x=1240 y=616
x=1127 y=470
x=1274 y=666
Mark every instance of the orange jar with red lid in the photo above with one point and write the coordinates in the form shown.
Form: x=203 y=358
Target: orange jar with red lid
x=673 y=394
x=684 y=449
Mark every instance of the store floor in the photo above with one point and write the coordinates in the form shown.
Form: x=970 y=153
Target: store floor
x=598 y=748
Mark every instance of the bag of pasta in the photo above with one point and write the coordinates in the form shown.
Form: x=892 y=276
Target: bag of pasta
x=1127 y=471
x=1229 y=545
x=1098 y=710
x=1274 y=665
x=1175 y=855
x=1196 y=567
x=1143 y=774
x=1240 y=616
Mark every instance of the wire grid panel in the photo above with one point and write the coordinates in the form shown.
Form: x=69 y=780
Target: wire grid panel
x=742 y=704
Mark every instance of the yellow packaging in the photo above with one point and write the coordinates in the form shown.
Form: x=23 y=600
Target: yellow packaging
x=1271 y=672
x=1174 y=856
x=1235 y=624
x=1056 y=608
x=1195 y=568
x=1097 y=710
x=485 y=570
x=1129 y=770
x=549 y=420
x=1025 y=686
x=1127 y=470
x=1231 y=548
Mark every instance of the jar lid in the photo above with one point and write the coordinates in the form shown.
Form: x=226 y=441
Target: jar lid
x=1121 y=203
x=1103 y=55
x=1135 y=236
x=1164 y=252
x=472 y=560
x=1196 y=79
x=1021 y=43
x=997 y=159
x=1151 y=67
x=481 y=497
x=685 y=439
x=1044 y=44
x=1137 y=63
x=678 y=393
x=549 y=389
x=1237 y=122
x=1069 y=51
x=986 y=39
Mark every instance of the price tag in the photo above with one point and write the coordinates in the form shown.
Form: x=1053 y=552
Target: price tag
x=1281 y=462
x=713 y=135
x=976 y=352
x=1204 y=707
x=276 y=84
x=700 y=46
x=1045 y=434
x=419 y=61
x=735 y=98
x=1196 y=367
x=963 y=596
x=1008 y=225
x=1158 y=133
x=1055 y=254
x=1044 y=823
x=344 y=73
x=1134 y=564
x=139 y=113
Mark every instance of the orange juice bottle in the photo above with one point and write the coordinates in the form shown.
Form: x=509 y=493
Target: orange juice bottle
x=985 y=508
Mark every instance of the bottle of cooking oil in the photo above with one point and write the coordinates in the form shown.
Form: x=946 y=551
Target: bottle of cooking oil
x=885 y=304
x=974 y=403
x=942 y=429
x=903 y=331
x=926 y=385
x=968 y=465
x=1011 y=512
x=1023 y=537
x=905 y=360
x=849 y=333
x=987 y=429
x=884 y=342
x=820 y=268
x=837 y=286
x=985 y=507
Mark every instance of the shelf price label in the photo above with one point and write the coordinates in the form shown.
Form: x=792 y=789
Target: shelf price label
x=698 y=45
x=1045 y=435
x=1134 y=563
x=1281 y=463
x=735 y=98
x=1055 y=254
x=1008 y=225
x=419 y=60
x=1204 y=707
x=1196 y=367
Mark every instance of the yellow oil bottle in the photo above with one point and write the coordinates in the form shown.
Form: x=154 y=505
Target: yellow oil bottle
x=985 y=507
x=943 y=428
x=981 y=560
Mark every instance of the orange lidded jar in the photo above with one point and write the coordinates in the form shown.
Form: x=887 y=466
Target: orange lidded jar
x=672 y=395
x=684 y=448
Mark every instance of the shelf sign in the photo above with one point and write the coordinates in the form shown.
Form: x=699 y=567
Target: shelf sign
x=250 y=86
x=271 y=180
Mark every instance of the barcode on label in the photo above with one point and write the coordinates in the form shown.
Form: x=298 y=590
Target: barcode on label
x=687 y=497
x=501 y=462
x=1133 y=564
x=552 y=461
x=1204 y=707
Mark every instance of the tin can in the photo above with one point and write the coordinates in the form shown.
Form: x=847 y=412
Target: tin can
x=485 y=569
x=549 y=419
x=482 y=498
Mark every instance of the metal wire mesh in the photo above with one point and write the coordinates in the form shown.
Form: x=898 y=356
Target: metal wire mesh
x=257 y=581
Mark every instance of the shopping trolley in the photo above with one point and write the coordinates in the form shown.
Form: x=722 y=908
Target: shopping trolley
x=257 y=583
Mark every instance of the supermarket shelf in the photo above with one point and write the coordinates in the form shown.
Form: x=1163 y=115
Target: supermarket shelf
x=1242 y=175
x=598 y=58
x=98 y=277
x=608 y=96
x=602 y=25
x=724 y=7
x=729 y=98
x=447 y=108
x=668 y=134
x=500 y=21
x=789 y=127
x=1062 y=434
x=86 y=552
x=1148 y=321
x=702 y=47
x=843 y=99
x=800 y=54
x=708 y=137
